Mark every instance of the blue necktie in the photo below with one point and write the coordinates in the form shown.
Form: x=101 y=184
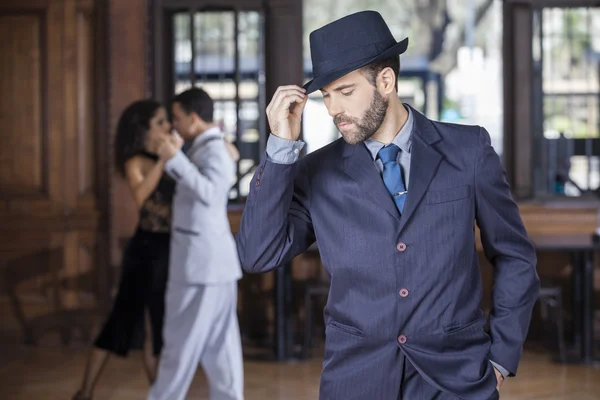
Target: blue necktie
x=392 y=174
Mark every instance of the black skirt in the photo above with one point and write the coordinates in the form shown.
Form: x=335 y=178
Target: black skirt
x=142 y=287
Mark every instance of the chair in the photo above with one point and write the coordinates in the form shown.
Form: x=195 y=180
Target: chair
x=551 y=308
x=44 y=267
x=315 y=288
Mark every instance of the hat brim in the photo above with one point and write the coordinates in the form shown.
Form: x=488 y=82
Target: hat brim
x=324 y=80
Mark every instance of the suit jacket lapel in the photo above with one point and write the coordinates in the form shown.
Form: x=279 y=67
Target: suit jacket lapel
x=199 y=142
x=424 y=162
x=359 y=165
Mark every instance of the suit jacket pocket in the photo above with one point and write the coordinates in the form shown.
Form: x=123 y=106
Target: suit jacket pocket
x=187 y=232
x=458 y=328
x=346 y=328
x=446 y=195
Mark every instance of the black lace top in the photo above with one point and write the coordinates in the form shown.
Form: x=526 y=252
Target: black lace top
x=155 y=214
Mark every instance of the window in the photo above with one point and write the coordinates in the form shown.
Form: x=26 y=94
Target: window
x=566 y=50
x=222 y=51
x=437 y=76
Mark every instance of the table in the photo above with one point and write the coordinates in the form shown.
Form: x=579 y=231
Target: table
x=582 y=248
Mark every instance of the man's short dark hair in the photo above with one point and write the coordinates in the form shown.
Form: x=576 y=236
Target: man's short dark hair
x=370 y=71
x=196 y=100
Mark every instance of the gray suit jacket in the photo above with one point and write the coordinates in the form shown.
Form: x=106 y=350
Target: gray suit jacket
x=402 y=284
x=203 y=250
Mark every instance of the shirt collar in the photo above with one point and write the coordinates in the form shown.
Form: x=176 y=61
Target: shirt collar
x=207 y=134
x=403 y=139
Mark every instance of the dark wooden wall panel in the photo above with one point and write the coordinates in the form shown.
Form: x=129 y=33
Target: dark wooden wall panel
x=127 y=80
x=21 y=161
x=85 y=103
x=48 y=162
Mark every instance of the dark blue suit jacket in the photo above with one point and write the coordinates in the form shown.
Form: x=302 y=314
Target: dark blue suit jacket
x=406 y=284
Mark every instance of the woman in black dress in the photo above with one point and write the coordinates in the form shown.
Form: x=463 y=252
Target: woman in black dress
x=140 y=300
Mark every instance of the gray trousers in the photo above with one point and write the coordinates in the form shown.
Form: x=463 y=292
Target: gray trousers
x=200 y=327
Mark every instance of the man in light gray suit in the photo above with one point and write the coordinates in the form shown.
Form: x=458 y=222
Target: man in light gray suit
x=201 y=324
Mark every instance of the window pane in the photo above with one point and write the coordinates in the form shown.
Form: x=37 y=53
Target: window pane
x=249 y=43
x=248 y=143
x=574 y=116
x=226 y=116
x=582 y=169
x=570 y=63
x=228 y=63
x=214 y=44
x=251 y=92
x=182 y=49
x=570 y=98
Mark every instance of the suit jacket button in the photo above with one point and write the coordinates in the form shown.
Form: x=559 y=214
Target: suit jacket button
x=401 y=339
x=401 y=246
x=403 y=292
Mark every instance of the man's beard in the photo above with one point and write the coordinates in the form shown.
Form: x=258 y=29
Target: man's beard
x=369 y=124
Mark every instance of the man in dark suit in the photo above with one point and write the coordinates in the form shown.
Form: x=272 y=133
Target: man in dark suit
x=392 y=206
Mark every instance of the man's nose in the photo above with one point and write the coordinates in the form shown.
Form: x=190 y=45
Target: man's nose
x=333 y=109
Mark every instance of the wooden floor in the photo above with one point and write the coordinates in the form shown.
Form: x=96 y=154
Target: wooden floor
x=53 y=374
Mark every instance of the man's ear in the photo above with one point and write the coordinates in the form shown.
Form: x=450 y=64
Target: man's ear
x=197 y=121
x=195 y=117
x=386 y=80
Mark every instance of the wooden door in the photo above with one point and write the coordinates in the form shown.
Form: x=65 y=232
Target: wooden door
x=49 y=153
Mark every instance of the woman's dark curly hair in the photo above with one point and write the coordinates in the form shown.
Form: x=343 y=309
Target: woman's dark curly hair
x=132 y=129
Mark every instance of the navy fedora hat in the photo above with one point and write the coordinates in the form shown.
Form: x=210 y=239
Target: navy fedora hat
x=348 y=44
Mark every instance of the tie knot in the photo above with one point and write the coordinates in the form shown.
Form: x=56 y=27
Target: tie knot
x=389 y=153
